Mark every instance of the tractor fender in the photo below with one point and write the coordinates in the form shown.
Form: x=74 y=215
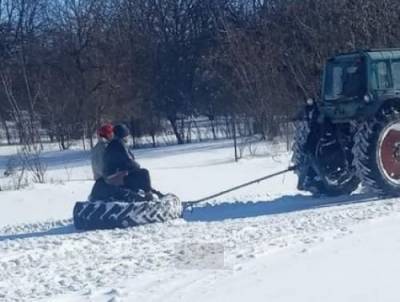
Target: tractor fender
x=383 y=103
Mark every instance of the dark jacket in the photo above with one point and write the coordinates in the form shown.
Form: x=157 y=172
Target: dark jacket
x=117 y=157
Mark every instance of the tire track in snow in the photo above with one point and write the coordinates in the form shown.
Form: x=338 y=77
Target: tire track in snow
x=46 y=259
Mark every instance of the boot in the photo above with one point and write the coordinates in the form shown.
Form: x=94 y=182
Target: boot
x=158 y=193
x=149 y=196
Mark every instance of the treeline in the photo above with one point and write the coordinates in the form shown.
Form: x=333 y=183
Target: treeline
x=69 y=65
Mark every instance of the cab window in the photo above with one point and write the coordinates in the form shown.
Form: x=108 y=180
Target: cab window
x=396 y=74
x=380 y=75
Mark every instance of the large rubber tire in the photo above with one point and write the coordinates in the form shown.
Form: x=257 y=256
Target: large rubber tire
x=299 y=145
x=109 y=215
x=367 y=153
x=322 y=185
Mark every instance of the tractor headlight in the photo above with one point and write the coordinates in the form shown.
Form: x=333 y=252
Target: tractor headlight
x=310 y=102
x=367 y=98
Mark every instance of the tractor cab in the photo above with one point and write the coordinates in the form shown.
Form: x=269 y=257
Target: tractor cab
x=355 y=85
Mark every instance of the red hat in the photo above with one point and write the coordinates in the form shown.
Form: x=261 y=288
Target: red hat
x=106 y=131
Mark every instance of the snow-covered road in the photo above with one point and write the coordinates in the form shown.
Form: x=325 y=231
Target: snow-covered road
x=260 y=246
x=52 y=258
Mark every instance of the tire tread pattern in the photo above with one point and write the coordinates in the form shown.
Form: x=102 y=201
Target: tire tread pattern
x=108 y=215
x=364 y=151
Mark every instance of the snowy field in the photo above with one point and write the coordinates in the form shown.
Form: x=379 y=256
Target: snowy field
x=266 y=242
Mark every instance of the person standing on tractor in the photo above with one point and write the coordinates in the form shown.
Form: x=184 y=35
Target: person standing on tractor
x=120 y=164
x=105 y=135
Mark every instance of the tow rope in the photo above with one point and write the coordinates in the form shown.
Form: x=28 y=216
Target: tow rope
x=190 y=204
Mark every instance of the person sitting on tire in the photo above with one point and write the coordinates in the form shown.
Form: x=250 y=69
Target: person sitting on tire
x=103 y=188
x=105 y=134
x=120 y=167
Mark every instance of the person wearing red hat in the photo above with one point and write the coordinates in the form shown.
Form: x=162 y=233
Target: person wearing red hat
x=106 y=188
x=105 y=135
x=119 y=176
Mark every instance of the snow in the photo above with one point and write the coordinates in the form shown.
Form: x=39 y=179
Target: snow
x=41 y=202
x=361 y=266
x=267 y=242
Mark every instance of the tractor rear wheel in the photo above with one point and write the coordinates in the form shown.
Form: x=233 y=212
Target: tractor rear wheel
x=323 y=167
x=377 y=152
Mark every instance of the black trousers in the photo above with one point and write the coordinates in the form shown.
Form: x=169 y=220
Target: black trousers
x=106 y=192
x=138 y=179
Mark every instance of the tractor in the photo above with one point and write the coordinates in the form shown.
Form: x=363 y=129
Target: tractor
x=350 y=135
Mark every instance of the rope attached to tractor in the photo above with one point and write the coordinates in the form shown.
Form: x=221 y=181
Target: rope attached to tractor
x=190 y=204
